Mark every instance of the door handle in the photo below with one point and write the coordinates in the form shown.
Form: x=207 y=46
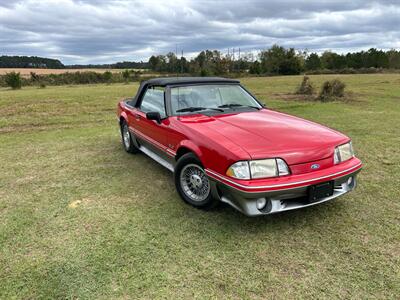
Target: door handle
x=137 y=117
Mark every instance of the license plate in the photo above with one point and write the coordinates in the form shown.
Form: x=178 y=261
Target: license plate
x=318 y=191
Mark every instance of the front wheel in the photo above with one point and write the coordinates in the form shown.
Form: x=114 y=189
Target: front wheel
x=192 y=182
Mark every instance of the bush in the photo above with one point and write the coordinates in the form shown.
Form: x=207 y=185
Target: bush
x=107 y=76
x=13 y=80
x=255 y=68
x=136 y=75
x=204 y=73
x=87 y=77
x=306 y=87
x=34 y=77
x=331 y=90
x=126 y=74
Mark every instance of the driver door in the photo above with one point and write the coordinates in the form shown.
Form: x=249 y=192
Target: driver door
x=151 y=134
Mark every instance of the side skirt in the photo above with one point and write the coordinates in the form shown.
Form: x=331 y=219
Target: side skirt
x=157 y=158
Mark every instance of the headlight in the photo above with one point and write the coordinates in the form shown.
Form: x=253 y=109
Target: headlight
x=262 y=168
x=343 y=152
x=239 y=170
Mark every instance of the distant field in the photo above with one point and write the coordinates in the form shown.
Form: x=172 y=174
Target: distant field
x=26 y=72
x=82 y=219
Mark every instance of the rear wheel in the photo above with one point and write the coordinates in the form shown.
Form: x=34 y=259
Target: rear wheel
x=192 y=182
x=126 y=137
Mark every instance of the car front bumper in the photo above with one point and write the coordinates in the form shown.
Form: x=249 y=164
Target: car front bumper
x=283 y=197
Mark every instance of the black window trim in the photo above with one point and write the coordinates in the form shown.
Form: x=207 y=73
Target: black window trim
x=167 y=94
x=140 y=99
x=168 y=100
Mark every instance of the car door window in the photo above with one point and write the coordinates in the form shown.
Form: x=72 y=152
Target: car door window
x=154 y=101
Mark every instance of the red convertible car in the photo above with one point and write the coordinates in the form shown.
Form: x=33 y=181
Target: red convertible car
x=223 y=145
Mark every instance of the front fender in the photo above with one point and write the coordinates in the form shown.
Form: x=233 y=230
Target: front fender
x=192 y=147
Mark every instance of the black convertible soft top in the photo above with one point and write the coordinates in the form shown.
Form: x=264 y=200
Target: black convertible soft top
x=164 y=81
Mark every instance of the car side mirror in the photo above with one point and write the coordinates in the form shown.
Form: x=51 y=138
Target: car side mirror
x=154 y=116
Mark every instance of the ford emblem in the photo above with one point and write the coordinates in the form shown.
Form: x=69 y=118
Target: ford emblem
x=315 y=166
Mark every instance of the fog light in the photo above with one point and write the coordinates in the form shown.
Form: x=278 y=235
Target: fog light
x=350 y=180
x=260 y=203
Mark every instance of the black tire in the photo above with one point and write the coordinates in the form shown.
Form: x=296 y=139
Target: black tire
x=127 y=143
x=185 y=164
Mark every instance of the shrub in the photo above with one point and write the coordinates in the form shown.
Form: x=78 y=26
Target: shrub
x=306 y=87
x=321 y=71
x=107 y=76
x=37 y=80
x=126 y=74
x=136 y=74
x=204 y=73
x=255 y=68
x=13 y=80
x=34 y=77
x=332 y=89
x=87 y=77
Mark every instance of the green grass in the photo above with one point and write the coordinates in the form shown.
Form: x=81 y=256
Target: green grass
x=80 y=218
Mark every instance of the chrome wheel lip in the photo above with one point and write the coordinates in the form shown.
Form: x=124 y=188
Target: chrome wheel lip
x=126 y=136
x=194 y=183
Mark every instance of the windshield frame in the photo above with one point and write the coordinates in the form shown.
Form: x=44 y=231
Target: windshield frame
x=226 y=110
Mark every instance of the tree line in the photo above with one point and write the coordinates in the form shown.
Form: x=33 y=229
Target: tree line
x=29 y=62
x=277 y=60
x=48 y=63
x=118 y=65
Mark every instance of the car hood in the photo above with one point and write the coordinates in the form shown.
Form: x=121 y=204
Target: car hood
x=266 y=133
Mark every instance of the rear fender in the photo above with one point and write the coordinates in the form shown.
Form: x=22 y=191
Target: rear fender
x=124 y=116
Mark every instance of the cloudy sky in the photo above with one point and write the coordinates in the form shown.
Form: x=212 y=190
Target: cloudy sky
x=103 y=31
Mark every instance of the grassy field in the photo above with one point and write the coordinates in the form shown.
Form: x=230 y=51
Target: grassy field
x=80 y=218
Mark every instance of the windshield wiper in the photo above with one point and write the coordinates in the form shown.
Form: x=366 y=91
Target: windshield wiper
x=198 y=108
x=231 y=105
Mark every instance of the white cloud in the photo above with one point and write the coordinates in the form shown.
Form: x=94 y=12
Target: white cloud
x=106 y=31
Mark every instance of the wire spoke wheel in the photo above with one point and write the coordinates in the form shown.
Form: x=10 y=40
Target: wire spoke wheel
x=194 y=182
x=126 y=136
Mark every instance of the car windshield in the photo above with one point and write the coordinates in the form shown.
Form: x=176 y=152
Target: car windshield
x=212 y=97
